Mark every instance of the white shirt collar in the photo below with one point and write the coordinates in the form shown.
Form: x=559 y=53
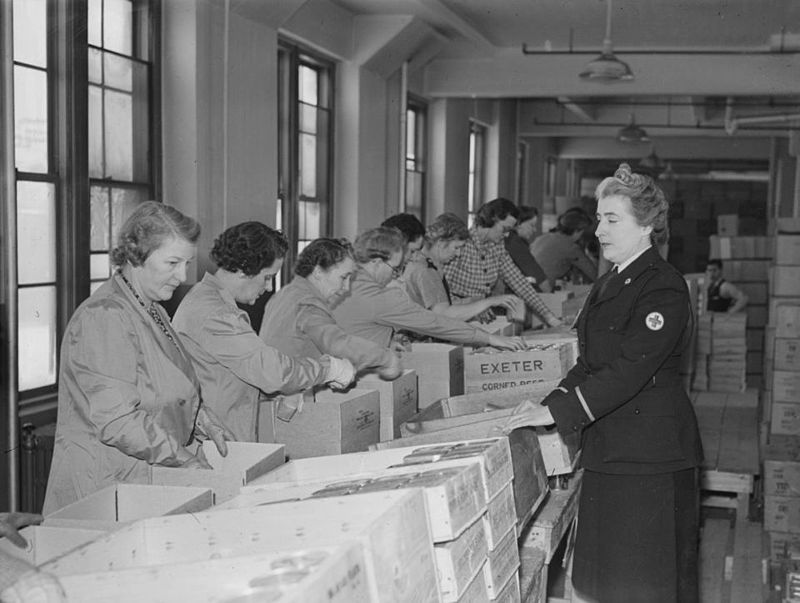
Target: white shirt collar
x=630 y=260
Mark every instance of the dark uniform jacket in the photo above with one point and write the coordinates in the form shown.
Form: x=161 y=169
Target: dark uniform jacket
x=625 y=394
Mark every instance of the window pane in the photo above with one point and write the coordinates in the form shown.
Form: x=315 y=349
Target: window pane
x=36 y=232
x=30 y=32
x=117 y=26
x=123 y=202
x=95 y=25
x=411 y=131
x=99 y=266
x=308 y=84
x=37 y=337
x=30 y=119
x=308 y=165
x=118 y=72
x=95 y=132
x=95 y=286
x=99 y=230
x=308 y=119
x=308 y=220
x=118 y=136
x=95 y=66
x=413 y=192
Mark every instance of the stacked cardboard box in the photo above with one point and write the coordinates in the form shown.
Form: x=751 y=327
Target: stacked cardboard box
x=782 y=496
x=469 y=501
x=721 y=352
x=439 y=368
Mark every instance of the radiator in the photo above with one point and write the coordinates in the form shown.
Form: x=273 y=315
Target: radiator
x=36 y=453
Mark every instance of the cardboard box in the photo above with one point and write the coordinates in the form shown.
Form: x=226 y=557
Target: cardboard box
x=500 y=517
x=501 y=325
x=785 y=386
x=454 y=496
x=783 y=545
x=398 y=401
x=728 y=225
x=338 y=422
x=318 y=574
x=488 y=370
x=45 y=542
x=785 y=225
x=502 y=565
x=785 y=418
x=111 y=507
x=245 y=462
x=555 y=335
x=391 y=528
x=440 y=370
x=787 y=250
x=784 y=281
x=781 y=473
x=782 y=514
x=283 y=406
x=459 y=560
x=785 y=317
x=787 y=354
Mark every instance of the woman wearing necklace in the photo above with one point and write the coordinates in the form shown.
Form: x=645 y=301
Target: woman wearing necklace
x=128 y=395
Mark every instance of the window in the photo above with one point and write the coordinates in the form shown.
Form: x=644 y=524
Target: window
x=477 y=163
x=416 y=140
x=305 y=88
x=84 y=126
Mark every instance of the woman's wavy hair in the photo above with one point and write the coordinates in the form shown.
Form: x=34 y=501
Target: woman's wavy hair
x=380 y=242
x=249 y=247
x=446 y=227
x=147 y=228
x=491 y=212
x=325 y=253
x=649 y=204
x=408 y=224
x=573 y=220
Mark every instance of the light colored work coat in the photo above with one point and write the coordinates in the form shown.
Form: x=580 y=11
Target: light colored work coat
x=127 y=398
x=233 y=363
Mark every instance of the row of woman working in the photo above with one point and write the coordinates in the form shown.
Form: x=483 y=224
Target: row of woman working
x=135 y=389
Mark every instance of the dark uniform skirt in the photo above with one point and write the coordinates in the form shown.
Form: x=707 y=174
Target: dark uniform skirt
x=637 y=538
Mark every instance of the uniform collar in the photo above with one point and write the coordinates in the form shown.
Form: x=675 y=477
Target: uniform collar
x=631 y=260
x=212 y=281
x=632 y=271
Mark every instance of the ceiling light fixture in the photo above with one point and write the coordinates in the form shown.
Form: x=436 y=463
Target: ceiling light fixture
x=607 y=67
x=632 y=133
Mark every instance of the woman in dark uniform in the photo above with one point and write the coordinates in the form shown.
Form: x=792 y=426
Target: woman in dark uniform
x=638 y=517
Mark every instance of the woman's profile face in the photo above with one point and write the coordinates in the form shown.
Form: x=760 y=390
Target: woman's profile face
x=164 y=269
x=335 y=281
x=255 y=286
x=620 y=235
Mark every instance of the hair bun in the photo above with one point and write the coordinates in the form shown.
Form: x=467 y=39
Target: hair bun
x=625 y=175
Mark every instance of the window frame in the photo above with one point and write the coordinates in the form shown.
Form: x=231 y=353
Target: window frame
x=476 y=189
x=419 y=159
x=291 y=56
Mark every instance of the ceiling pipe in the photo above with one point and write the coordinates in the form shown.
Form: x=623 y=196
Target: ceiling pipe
x=732 y=123
x=672 y=51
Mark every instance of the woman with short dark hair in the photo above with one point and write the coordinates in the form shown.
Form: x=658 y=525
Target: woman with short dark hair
x=128 y=396
x=234 y=364
x=558 y=251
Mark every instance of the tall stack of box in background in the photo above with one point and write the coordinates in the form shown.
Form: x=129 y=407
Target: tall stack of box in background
x=745 y=261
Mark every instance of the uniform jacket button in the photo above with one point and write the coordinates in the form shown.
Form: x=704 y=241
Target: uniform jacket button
x=637 y=411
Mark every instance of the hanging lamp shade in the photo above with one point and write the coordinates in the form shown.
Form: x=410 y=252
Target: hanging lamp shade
x=632 y=133
x=607 y=67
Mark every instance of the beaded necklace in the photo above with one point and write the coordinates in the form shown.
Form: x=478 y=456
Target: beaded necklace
x=151 y=310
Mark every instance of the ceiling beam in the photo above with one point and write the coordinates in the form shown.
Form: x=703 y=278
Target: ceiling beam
x=576 y=108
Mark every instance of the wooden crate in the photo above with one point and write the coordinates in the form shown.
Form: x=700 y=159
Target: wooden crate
x=551 y=523
x=391 y=527
x=336 y=573
x=502 y=565
x=245 y=462
x=500 y=516
x=459 y=560
x=111 y=507
x=398 y=400
x=476 y=591
x=510 y=593
x=455 y=498
x=47 y=542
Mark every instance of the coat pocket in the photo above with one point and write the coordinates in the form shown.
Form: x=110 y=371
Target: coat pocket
x=642 y=439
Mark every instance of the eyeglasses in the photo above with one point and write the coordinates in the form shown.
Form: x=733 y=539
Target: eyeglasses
x=396 y=270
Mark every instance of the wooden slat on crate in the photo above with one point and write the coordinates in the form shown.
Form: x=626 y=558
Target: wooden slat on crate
x=748 y=561
x=712 y=559
x=551 y=522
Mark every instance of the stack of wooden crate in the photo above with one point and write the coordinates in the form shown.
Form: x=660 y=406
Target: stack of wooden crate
x=720 y=360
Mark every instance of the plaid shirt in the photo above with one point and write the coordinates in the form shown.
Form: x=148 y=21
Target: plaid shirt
x=476 y=270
